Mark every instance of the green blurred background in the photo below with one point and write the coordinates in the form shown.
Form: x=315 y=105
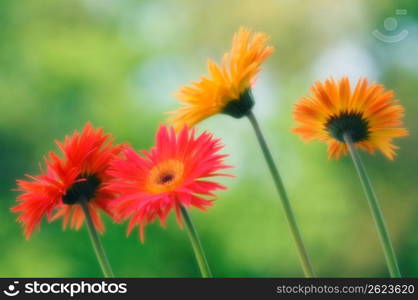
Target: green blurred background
x=117 y=62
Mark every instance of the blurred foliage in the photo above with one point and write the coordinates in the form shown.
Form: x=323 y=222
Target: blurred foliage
x=116 y=63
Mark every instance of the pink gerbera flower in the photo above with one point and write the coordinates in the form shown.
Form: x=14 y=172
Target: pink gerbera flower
x=173 y=174
x=76 y=176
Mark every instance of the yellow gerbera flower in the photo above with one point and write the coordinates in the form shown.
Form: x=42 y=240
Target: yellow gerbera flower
x=369 y=115
x=227 y=89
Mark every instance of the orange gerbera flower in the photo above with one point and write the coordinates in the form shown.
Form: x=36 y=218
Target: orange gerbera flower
x=176 y=172
x=77 y=176
x=228 y=87
x=369 y=114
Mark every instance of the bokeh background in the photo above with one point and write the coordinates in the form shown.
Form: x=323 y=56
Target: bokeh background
x=117 y=63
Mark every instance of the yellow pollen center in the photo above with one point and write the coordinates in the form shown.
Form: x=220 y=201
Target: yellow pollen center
x=165 y=177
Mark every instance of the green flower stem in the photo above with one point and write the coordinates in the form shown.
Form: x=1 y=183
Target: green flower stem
x=196 y=245
x=375 y=209
x=97 y=245
x=303 y=255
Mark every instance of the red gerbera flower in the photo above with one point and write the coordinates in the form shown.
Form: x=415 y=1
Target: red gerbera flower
x=79 y=175
x=170 y=175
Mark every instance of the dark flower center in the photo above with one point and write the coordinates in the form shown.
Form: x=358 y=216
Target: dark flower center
x=240 y=107
x=166 y=178
x=82 y=190
x=350 y=123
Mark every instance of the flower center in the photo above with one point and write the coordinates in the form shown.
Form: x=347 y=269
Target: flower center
x=350 y=123
x=165 y=177
x=83 y=190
